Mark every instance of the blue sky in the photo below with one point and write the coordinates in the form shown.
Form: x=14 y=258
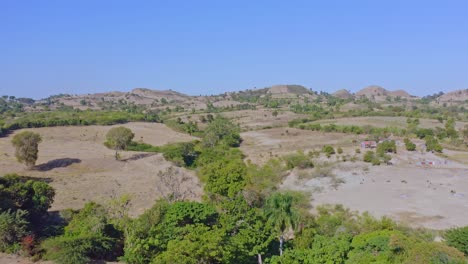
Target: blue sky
x=208 y=47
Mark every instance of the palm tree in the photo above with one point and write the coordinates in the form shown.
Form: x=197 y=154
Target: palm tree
x=281 y=214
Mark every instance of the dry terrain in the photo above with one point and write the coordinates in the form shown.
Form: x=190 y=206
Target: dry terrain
x=82 y=169
x=252 y=119
x=385 y=121
x=410 y=191
x=261 y=145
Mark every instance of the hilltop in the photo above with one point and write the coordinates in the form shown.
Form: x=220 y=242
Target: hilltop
x=454 y=96
x=380 y=94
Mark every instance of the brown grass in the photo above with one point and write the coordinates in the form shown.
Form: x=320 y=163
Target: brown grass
x=93 y=174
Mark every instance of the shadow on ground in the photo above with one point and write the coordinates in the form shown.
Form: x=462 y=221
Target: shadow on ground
x=138 y=156
x=56 y=163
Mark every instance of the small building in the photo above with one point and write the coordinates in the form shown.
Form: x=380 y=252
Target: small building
x=368 y=144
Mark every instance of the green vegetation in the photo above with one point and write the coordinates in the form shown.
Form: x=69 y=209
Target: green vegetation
x=387 y=146
x=89 y=235
x=432 y=144
x=328 y=150
x=242 y=217
x=458 y=238
x=410 y=146
x=297 y=160
x=26 y=146
x=74 y=118
x=221 y=131
x=118 y=138
x=23 y=212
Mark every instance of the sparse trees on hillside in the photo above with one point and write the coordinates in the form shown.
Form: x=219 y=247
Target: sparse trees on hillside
x=27 y=147
x=118 y=138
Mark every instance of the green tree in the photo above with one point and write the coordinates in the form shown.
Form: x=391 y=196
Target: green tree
x=88 y=236
x=281 y=214
x=13 y=227
x=224 y=177
x=450 y=128
x=118 y=138
x=27 y=147
x=221 y=130
x=199 y=244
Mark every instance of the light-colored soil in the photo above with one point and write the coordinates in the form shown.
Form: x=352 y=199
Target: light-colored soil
x=15 y=259
x=431 y=196
x=262 y=118
x=385 y=121
x=251 y=119
x=261 y=145
x=82 y=169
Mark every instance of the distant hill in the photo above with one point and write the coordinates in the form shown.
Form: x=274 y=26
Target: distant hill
x=138 y=96
x=378 y=93
x=454 y=96
x=161 y=99
x=343 y=94
x=288 y=89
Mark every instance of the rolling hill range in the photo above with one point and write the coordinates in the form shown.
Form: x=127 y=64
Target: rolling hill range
x=290 y=94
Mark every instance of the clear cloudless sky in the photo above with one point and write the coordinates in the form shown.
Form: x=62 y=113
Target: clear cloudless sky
x=208 y=47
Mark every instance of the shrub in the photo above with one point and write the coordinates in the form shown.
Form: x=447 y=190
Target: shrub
x=458 y=238
x=375 y=161
x=339 y=150
x=386 y=146
x=369 y=156
x=328 y=150
x=410 y=146
x=88 y=236
x=76 y=249
x=182 y=154
x=297 y=160
x=432 y=144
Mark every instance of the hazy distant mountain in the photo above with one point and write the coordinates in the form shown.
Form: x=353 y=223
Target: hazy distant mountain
x=454 y=96
x=378 y=93
x=343 y=94
x=169 y=98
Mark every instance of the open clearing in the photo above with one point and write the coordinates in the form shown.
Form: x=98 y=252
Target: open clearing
x=419 y=195
x=434 y=197
x=82 y=169
x=261 y=145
